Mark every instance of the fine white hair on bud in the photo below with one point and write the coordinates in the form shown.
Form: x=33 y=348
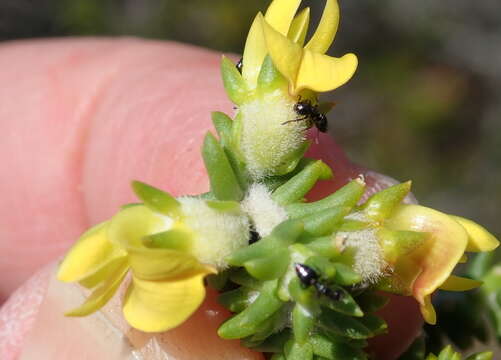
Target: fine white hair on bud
x=263 y=211
x=369 y=261
x=217 y=234
x=269 y=133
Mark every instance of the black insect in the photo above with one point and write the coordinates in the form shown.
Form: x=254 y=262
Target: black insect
x=309 y=113
x=254 y=237
x=310 y=277
x=239 y=65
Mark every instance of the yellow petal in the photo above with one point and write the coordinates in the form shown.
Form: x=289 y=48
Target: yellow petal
x=322 y=73
x=299 y=26
x=89 y=254
x=479 y=239
x=280 y=14
x=326 y=30
x=457 y=283
x=102 y=294
x=154 y=306
x=433 y=262
x=129 y=226
x=286 y=54
x=428 y=311
x=156 y=263
x=254 y=52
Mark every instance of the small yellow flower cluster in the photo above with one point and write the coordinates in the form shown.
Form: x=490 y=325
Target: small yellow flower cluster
x=164 y=245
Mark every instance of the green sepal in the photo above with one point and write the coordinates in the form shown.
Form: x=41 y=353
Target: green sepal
x=396 y=244
x=176 y=239
x=282 y=236
x=375 y=324
x=248 y=321
x=236 y=300
x=371 y=301
x=342 y=325
x=346 y=197
x=345 y=276
x=223 y=182
x=269 y=77
x=296 y=351
x=233 y=82
x=302 y=323
x=335 y=350
x=380 y=205
x=299 y=185
x=223 y=124
x=156 y=199
x=269 y=267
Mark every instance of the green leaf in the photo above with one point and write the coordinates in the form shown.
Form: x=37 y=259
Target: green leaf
x=223 y=182
x=380 y=205
x=375 y=324
x=236 y=300
x=273 y=344
x=224 y=206
x=323 y=246
x=485 y=355
x=371 y=302
x=299 y=185
x=282 y=236
x=345 y=305
x=223 y=124
x=248 y=321
x=302 y=323
x=345 y=275
x=156 y=199
x=233 y=82
x=335 y=350
x=241 y=277
x=416 y=351
x=347 y=196
x=343 y=325
x=296 y=351
x=325 y=221
x=269 y=267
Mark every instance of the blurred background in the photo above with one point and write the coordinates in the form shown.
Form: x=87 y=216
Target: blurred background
x=425 y=103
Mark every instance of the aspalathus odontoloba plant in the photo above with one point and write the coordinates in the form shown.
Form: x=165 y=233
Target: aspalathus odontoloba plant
x=305 y=287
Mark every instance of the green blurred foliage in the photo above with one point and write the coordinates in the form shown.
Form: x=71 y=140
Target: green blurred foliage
x=424 y=105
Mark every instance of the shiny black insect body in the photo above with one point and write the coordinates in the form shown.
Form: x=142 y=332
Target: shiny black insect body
x=254 y=237
x=239 y=65
x=309 y=277
x=309 y=113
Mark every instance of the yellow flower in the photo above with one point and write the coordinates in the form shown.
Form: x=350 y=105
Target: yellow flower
x=164 y=244
x=281 y=35
x=420 y=270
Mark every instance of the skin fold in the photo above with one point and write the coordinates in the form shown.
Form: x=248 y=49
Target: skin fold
x=80 y=119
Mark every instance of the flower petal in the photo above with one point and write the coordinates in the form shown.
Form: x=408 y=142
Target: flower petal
x=457 y=283
x=156 y=264
x=280 y=14
x=432 y=263
x=299 y=26
x=479 y=239
x=326 y=30
x=102 y=294
x=254 y=52
x=322 y=73
x=89 y=254
x=106 y=271
x=285 y=53
x=154 y=306
x=132 y=224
